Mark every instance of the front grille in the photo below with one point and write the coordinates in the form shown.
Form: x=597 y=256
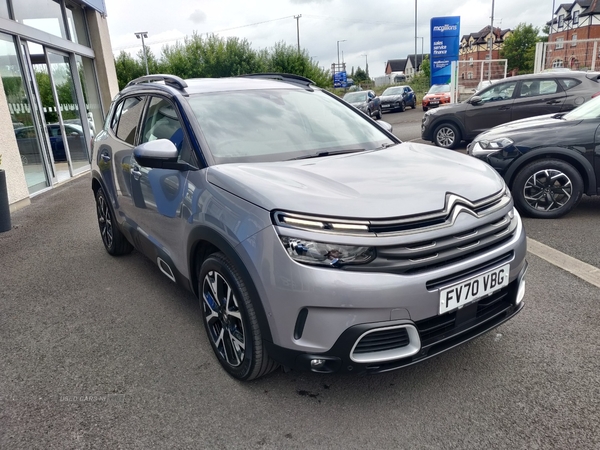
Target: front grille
x=382 y=340
x=428 y=255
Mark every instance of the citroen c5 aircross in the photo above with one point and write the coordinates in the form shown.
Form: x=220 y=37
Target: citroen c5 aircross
x=313 y=238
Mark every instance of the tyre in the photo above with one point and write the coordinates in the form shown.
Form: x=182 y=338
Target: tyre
x=114 y=241
x=369 y=112
x=378 y=114
x=414 y=105
x=547 y=189
x=424 y=108
x=402 y=106
x=446 y=135
x=230 y=320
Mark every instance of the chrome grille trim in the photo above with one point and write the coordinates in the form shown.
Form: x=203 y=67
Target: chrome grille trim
x=406 y=351
x=454 y=205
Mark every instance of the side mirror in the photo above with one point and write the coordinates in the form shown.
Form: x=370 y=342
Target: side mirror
x=386 y=126
x=475 y=100
x=158 y=154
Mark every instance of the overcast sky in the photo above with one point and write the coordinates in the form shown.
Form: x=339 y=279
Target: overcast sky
x=382 y=30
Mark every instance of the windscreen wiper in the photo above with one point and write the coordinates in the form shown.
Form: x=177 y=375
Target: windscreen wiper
x=330 y=153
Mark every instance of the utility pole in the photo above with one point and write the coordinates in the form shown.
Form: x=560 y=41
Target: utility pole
x=415 y=68
x=141 y=35
x=491 y=43
x=338 y=51
x=298 y=29
x=366 y=66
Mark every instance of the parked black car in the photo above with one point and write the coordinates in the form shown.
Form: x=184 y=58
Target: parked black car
x=366 y=101
x=504 y=101
x=547 y=161
x=398 y=98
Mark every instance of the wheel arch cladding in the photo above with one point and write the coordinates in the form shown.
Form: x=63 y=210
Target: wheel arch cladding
x=204 y=241
x=577 y=160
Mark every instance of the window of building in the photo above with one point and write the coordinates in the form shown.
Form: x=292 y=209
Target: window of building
x=129 y=118
x=3 y=9
x=471 y=61
x=575 y=17
x=557 y=63
x=560 y=43
x=44 y=15
x=469 y=75
x=77 y=24
x=561 y=21
x=574 y=40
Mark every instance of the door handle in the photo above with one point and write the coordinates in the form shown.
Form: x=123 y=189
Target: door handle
x=504 y=108
x=105 y=157
x=553 y=102
x=135 y=172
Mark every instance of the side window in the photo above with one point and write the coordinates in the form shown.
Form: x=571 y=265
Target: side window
x=533 y=88
x=496 y=92
x=128 y=119
x=568 y=83
x=162 y=122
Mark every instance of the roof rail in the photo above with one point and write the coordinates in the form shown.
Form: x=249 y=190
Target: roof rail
x=170 y=80
x=281 y=77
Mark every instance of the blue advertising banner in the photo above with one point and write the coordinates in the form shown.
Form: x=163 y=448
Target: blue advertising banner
x=445 y=41
x=340 y=79
x=98 y=5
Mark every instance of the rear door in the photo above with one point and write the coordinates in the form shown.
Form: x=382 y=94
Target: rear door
x=494 y=109
x=537 y=97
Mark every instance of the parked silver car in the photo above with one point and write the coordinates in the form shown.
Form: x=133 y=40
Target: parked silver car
x=312 y=237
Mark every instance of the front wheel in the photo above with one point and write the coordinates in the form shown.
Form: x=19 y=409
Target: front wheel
x=446 y=136
x=402 y=106
x=378 y=113
x=547 y=189
x=424 y=108
x=414 y=105
x=230 y=320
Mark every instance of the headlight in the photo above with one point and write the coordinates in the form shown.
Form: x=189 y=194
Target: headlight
x=485 y=147
x=324 y=254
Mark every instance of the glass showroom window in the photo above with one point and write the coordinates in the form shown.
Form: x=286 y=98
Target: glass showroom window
x=87 y=74
x=77 y=24
x=3 y=9
x=44 y=15
x=25 y=129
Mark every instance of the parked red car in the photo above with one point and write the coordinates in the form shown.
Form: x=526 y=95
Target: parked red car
x=437 y=95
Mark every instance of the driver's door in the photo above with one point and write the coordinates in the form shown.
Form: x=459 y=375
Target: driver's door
x=494 y=108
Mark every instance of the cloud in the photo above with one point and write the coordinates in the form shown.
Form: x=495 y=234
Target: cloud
x=304 y=2
x=198 y=17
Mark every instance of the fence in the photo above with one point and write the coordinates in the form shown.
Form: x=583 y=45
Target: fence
x=578 y=54
x=472 y=74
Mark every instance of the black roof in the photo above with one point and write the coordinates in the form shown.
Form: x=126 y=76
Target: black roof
x=419 y=59
x=397 y=65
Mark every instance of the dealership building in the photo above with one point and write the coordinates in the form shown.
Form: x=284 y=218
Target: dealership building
x=57 y=78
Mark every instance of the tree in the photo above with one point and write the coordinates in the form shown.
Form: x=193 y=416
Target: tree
x=519 y=48
x=360 y=76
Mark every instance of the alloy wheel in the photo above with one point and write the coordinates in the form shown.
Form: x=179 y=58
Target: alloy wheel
x=548 y=190
x=223 y=318
x=445 y=136
x=105 y=221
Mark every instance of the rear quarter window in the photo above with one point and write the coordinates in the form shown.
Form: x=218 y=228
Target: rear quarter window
x=568 y=83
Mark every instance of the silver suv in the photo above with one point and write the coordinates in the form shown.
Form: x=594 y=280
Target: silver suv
x=311 y=235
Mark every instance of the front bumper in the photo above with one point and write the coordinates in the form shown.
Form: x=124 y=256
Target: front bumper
x=318 y=313
x=435 y=336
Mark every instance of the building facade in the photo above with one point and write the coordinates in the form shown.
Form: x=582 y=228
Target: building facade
x=574 y=22
x=57 y=78
x=476 y=47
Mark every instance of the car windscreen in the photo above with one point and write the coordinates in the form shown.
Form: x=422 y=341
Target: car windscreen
x=439 y=89
x=356 y=97
x=280 y=124
x=589 y=110
x=393 y=91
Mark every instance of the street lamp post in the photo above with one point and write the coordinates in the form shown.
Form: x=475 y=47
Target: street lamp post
x=422 y=54
x=338 y=51
x=141 y=35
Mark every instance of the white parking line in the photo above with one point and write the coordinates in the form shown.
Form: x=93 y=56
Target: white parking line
x=580 y=269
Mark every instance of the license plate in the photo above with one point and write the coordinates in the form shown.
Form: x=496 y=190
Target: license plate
x=473 y=289
x=434 y=102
